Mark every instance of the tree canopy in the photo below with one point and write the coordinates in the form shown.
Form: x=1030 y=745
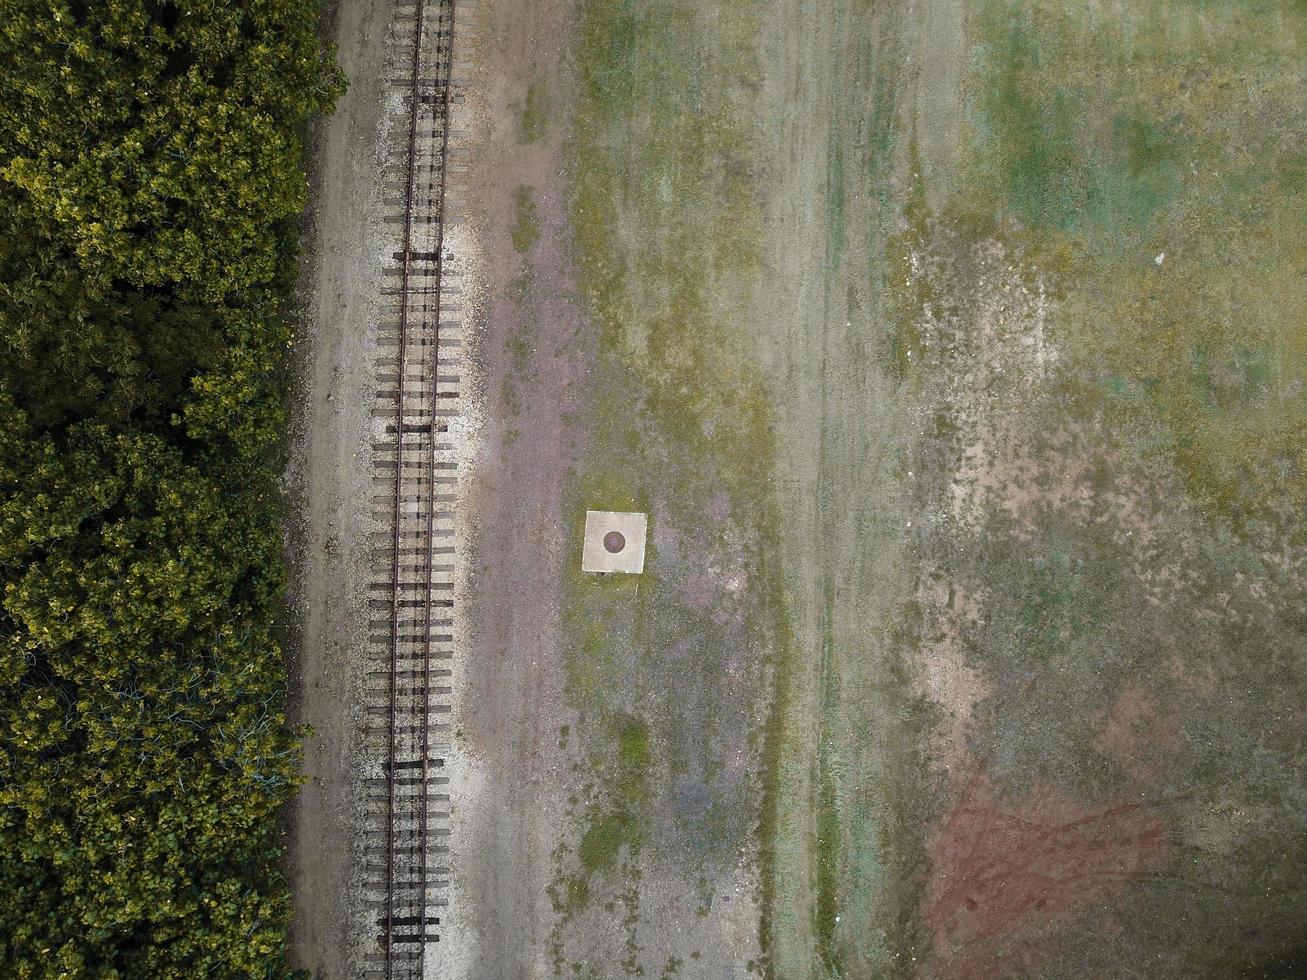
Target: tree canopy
x=150 y=180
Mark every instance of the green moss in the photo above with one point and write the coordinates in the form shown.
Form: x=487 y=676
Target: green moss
x=534 y=120
x=619 y=824
x=633 y=755
x=526 y=219
x=570 y=894
x=603 y=842
x=519 y=352
x=590 y=664
x=1034 y=133
x=520 y=345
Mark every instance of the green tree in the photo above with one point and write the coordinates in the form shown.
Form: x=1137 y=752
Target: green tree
x=150 y=177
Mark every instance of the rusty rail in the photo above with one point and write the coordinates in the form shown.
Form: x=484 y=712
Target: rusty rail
x=405 y=878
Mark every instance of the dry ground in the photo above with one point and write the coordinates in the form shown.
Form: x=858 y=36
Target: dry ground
x=956 y=351
x=329 y=483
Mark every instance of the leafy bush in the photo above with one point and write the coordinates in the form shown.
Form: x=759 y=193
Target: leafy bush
x=150 y=177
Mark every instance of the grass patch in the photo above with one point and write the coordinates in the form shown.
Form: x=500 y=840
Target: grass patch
x=533 y=123
x=1142 y=168
x=526 y=219
x=1128 y=110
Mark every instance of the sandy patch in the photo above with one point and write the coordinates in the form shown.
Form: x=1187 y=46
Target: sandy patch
x=954 y=684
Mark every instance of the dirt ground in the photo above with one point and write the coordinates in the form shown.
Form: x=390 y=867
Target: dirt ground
x=955 y=350
x=329 y=486
x=530 y=367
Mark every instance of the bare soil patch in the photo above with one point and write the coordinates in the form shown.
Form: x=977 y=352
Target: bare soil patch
x=1006 y=873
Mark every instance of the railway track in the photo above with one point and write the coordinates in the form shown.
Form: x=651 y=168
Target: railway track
x=414 y=462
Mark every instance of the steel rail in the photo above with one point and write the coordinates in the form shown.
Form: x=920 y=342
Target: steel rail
x=444 y=75
x=399 y=483
x=445 y=72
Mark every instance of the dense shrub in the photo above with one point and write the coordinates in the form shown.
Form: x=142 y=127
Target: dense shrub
x=150 y=177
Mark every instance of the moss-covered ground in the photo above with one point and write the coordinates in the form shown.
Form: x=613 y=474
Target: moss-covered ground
x=1104 y=321
x=1059 y=455
x=666 y=671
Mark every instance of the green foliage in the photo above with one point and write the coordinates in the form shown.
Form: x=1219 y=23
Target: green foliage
x=149 y=179
x=156 y=142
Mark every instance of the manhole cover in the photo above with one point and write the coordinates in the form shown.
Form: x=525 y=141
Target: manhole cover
x=614 y=542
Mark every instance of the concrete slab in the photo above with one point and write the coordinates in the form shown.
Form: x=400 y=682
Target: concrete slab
x=614 y=542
